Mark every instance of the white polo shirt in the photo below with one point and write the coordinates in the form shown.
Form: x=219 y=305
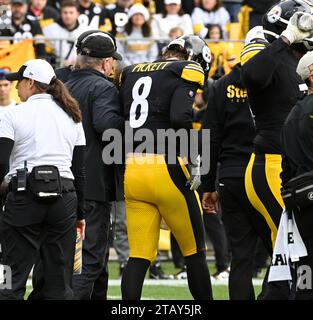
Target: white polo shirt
x=4 y=109
x=43 y=134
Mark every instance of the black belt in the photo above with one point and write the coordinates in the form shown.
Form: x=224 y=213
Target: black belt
x=67 y=184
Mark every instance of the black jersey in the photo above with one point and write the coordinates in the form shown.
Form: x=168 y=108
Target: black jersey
x=28 y=29
x=232 y=130
x=119 y=18
x=159 y=95
x=273 y=88
x=95 y=17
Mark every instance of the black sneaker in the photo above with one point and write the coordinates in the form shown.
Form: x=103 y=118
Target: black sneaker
x=157 y=273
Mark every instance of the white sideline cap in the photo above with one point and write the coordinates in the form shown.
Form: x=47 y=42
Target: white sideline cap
x=36 y=69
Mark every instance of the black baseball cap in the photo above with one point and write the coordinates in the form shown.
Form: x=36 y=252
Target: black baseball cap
x=82 y=37
x=97 y=44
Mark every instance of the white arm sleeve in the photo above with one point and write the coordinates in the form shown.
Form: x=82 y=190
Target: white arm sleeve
x=7 y=125
x=81 y=140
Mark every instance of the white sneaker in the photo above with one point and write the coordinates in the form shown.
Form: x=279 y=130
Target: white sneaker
x=223 y=275
x=181 y=274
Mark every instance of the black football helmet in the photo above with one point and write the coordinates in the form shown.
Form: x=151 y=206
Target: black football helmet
x=195 y=48
x=276 y=20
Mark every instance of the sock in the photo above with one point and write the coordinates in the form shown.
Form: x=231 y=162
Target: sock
x=133 y=278
x=198 y=274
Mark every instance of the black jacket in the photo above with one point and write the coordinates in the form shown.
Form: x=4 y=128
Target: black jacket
x=99 y=103
x=231 y=129
x=297 y=140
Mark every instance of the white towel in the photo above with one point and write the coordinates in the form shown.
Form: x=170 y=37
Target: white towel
x=289 y=247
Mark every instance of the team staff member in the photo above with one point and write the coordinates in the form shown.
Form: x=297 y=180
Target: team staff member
x=273 y=88
x=37 y=279
x=297 y=147
x=45 y=130
x=99 y=103
x=155 y=189
x=232 y=131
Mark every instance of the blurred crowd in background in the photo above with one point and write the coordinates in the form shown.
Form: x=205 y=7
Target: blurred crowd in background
x=142 y=27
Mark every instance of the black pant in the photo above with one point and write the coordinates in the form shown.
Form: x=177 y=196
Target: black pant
x=243 y=225
x=215 y=230
x=261 y=256
x=95 y=251
x=50 y=228
x=100 y=288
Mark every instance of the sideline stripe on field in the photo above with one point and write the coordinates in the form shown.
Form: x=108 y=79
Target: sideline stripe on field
x=171 y=283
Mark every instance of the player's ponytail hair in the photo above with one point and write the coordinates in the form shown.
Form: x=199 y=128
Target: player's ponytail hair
x=62 y=97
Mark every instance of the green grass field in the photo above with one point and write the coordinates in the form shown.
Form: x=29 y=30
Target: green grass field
x=168 y=290
x=163 y=289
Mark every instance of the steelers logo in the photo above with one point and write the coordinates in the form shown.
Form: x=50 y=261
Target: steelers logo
x=206 y=53
x=274 y=14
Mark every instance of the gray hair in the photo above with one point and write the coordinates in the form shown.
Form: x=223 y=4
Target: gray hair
x=84 y=61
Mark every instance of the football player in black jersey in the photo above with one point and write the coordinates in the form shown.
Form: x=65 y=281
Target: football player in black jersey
x=154 y=96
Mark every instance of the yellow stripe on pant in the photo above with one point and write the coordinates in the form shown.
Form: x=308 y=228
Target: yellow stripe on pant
x=155 y=189
x=263 y=183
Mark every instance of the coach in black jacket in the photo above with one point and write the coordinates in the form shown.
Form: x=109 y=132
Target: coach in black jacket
x=98 y=99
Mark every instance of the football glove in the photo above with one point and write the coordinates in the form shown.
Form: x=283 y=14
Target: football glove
x=195 y=176
x=300 y=27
